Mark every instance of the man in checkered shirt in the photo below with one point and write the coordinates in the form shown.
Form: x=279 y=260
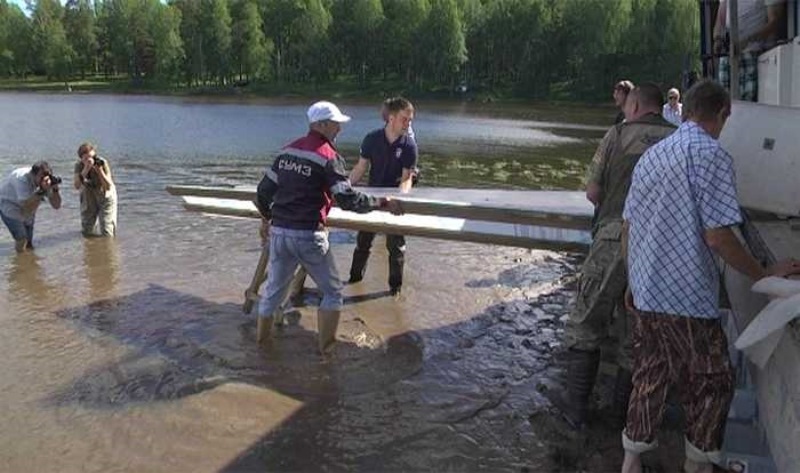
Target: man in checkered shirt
x=678 y=218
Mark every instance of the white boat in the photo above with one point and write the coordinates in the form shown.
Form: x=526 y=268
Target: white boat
x=764 y=140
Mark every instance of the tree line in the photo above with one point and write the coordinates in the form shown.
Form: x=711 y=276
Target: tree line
x=526 y=48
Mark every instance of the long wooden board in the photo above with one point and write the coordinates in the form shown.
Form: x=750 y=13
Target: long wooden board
x=559 y=209
x=446 y=228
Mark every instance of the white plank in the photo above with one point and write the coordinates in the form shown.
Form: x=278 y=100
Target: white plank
x=447 y=228
x=561 y=209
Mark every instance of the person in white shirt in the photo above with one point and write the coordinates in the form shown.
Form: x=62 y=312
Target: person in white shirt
x=673 y=109
x=21 y=192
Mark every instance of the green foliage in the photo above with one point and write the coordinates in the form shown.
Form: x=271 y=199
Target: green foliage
x=250 y=47
x=15 y=39
x=168 y=46
x=523 y=48
x=52 y=52
x=79 y=24
x=403 y=53
x=358 y=22
x=443 y=42
x=216 y=22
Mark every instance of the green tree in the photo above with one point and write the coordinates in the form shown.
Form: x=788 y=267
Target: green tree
x=250 y=47
x=402 y=26
x=585 y=39
x=216 y=23
x=513 y=40
x=165 y=31
x=117 y=35
x=79 y=23
x=298 y=29
x=442 y=37
x=15 y=39
x=356 y=31
x=51 y=48
x=192 y=37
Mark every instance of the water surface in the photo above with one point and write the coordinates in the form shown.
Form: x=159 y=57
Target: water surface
x=133 y=354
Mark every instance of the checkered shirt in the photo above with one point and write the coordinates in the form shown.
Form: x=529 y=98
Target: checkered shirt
x=682 y=186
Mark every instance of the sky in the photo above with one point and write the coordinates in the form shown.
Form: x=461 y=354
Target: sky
x=21 y=4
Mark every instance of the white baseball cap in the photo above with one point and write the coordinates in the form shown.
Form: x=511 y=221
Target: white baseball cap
x=326 y=111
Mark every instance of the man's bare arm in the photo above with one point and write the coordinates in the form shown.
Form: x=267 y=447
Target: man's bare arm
x=54 y=197
x=359 y=170
x=724 y=243
x=405 y=181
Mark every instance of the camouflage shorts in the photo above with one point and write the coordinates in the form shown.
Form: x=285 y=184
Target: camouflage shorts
x=689 y=354
x=598 y=318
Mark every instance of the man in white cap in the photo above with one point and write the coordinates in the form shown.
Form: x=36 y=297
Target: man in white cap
x=294 y=199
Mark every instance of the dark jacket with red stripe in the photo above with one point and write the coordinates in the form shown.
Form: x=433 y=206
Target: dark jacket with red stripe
x=297 y=191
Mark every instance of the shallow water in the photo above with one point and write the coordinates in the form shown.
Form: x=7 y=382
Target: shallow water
x=133 y=354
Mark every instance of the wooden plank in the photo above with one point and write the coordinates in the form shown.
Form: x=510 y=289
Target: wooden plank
x=561 y=209
x=445 y=228
x=260 y=275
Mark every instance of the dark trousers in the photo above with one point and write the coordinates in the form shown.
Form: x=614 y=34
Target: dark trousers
x=396 y=244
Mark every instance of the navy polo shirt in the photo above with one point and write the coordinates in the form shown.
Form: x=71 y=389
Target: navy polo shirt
x=387 y=160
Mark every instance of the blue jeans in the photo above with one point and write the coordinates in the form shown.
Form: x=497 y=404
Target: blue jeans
x=19 y=229
x=309 y=249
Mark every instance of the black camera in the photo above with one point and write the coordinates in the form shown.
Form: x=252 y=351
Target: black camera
x=98 y=161
x=54 y=180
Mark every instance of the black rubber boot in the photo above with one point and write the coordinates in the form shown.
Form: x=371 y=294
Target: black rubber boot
x=396 y=245
x=395 y=273
x=622 y=393
x=359 y=266
x=578 y=371
x=360 y=256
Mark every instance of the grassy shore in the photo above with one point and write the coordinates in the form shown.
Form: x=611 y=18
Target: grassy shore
x=338 y=88
x=346 y=89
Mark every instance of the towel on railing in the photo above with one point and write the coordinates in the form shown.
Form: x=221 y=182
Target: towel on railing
x=763 y=334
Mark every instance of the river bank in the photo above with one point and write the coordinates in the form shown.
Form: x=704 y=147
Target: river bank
x=490 y=103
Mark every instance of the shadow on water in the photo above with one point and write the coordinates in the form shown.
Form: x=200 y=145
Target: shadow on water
x=184 y=345
x=447 y=399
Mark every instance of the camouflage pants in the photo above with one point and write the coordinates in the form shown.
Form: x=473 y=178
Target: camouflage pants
x=598 y=319
x=99 y=212
x=689 y=354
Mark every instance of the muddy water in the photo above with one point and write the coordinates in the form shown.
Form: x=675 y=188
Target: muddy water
x=133 y=354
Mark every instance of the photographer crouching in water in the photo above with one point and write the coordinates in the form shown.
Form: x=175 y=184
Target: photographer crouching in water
x=21 y=192
x=92 y=177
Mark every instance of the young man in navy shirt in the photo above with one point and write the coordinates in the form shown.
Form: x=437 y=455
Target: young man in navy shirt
x=390 y=155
